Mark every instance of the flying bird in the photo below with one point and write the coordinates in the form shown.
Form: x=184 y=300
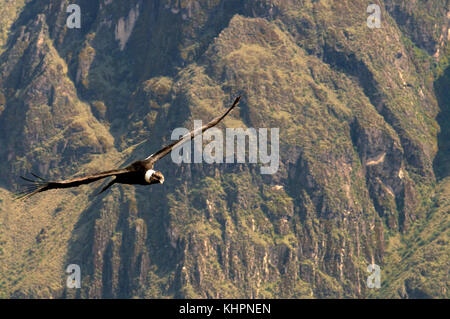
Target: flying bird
x=138 y=173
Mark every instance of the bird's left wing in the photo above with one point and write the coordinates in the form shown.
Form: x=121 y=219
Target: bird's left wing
x=41 y=185
x=166 y=150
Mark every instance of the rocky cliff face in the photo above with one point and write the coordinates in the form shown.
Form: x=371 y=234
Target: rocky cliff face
x=363 y=118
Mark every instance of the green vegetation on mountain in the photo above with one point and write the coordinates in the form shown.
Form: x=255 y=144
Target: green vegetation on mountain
x=364 y=152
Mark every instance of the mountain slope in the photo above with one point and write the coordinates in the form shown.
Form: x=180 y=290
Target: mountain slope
x=363 y=153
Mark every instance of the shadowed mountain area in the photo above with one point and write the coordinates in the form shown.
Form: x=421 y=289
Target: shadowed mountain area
x=442 y=160
x=363 y=116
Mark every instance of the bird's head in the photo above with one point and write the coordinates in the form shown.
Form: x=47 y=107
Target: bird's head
x=154 y=177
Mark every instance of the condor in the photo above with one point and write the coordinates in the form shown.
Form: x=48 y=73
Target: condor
x=138 y=173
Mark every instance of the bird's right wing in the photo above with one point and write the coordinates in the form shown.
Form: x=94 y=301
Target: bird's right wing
x=167 y=149
x=40 y=185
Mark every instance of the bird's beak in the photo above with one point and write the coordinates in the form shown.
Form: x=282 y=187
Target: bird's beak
x=161 y=181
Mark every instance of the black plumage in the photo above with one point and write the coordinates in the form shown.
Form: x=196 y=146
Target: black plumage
x=138 y=173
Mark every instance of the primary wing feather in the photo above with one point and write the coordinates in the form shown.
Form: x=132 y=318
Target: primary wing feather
x=167 y=149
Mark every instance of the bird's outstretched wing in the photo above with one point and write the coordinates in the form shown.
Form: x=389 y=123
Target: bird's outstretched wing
x=166 y=150
x=40 y=185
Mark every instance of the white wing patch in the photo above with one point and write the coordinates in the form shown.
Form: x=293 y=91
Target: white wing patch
x=148 y=175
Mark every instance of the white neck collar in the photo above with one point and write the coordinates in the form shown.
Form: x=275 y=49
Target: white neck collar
x=149 y=174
